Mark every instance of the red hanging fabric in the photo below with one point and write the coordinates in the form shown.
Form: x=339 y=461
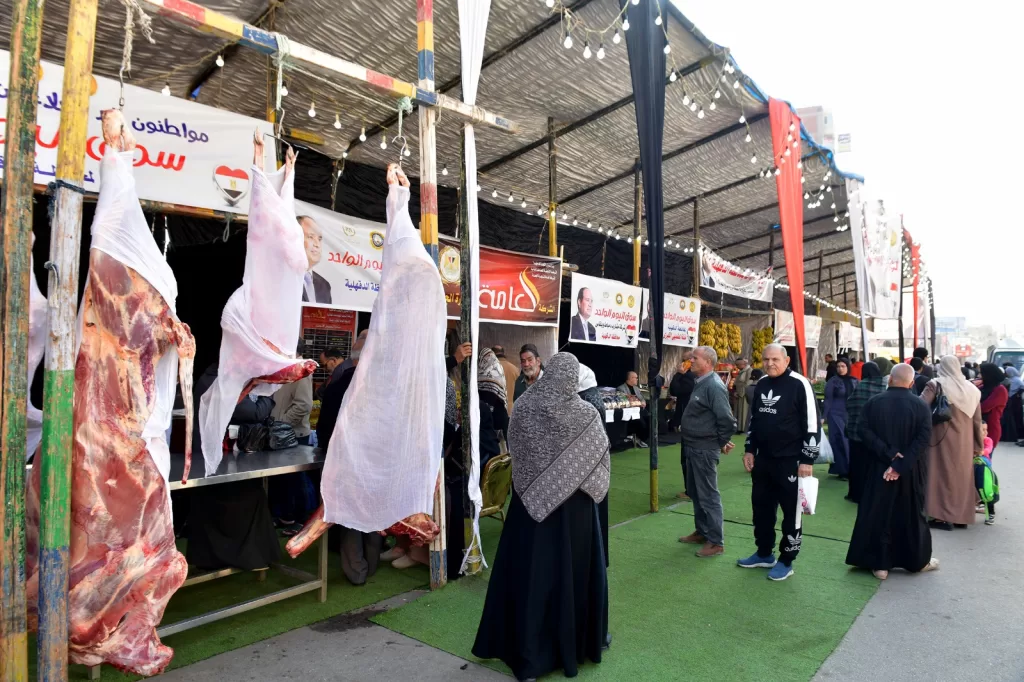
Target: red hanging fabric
x=786 y=146
x=915 y=264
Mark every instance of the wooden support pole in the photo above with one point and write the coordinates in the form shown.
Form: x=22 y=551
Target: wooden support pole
x=228 y=28
x=428 y=233
x=15 y=256
x=59 y=377
x=552 y=190
x=695 y=292
x=821 y=263
x=637 y=211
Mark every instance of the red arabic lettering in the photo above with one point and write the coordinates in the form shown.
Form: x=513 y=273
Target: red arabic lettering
x=163 y=160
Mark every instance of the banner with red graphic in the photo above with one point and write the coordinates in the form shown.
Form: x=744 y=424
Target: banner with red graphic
x=187 y=153
x=605 y=311
x=346 y=255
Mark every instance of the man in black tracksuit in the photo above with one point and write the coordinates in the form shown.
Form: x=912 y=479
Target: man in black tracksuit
x=782 y=444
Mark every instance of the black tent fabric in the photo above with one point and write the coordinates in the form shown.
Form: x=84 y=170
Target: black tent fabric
x=646 y=43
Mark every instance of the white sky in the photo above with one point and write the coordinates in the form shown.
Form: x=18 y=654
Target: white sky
x=929 y=93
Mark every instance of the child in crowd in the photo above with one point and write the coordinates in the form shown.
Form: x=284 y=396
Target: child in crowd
x=986 y=481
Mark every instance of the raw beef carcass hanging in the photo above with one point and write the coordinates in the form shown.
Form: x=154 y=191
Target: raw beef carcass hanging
x=262 y=319
x=37 y=324
x=131 y=349
x=385 y=451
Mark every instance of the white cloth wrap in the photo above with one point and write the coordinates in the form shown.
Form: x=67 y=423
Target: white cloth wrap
x=385 y=450
x=267 y=306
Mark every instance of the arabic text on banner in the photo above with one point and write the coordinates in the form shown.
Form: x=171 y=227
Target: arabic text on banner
x=187 y=154
x=877 y=245
x=785 y=333
x=681 y=321
x=604 y=312
x=850 y=336
x=719 y=275
x=515 y=288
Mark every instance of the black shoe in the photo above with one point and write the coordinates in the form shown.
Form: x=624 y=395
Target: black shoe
x=959 y=525
x=607 y=642
x=940 y=525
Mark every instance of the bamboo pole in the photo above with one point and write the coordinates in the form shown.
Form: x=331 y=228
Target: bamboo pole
x=428 y=233
x=15 y=255
x=552 y=190
x=59 y=381
x=637 y=197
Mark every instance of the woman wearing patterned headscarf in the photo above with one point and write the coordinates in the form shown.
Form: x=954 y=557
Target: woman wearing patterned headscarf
x=547 y=597
x=493 y=401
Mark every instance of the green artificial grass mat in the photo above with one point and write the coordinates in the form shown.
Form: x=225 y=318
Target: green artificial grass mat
x=253 y=626
x=674 y=616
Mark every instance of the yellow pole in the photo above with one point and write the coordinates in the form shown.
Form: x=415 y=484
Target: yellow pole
x=552 y=189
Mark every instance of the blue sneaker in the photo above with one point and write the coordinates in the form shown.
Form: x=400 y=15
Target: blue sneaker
x=756 y=561
x=780 y=571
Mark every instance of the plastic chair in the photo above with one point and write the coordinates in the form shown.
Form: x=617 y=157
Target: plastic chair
x=495 y=486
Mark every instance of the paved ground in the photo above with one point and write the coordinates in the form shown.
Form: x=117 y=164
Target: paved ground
x=965 y=621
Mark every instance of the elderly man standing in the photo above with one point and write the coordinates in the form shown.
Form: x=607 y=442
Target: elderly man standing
x=739 y=393
x=640 y=428
x=782 y=445
x=891 y=529
x=533 y=369
x=707 y=427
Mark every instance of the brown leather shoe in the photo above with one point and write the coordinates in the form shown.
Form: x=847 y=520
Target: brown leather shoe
x=710 y=550
x=693 y=538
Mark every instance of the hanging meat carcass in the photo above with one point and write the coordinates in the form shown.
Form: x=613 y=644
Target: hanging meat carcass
x=383 y=478
x=262 y=319
x=124 y=566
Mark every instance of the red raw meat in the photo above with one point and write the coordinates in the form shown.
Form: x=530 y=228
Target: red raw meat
x=124 y=564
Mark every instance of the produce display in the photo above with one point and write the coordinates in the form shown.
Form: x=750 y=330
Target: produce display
x=614 y=400
x=721 y=336
x=762 y=337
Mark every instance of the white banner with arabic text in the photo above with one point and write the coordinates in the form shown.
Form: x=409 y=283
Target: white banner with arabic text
x=785 y=332
x=720 y=275
x=877 y=246
x=187 y=153
x=604 y=311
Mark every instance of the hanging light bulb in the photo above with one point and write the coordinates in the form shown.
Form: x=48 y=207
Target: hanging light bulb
x=337 y=121
x=494 y=194
x=718 y=93
x=589 y=224
x=693 y=106
x=777 y=171
x=833 y=205
x=600 y=51
x=284 y=90
x=599 y=230
x=700 y=114
x=567 y=43
x=792 y=127
x=846 y=215
x=668 y=49
x=166 y=91
x=510 y=197
x=362 y=134
x=743 y=119
x=616 y=38
x=478 y=187
x=686 y=99
x=629 y=240
x=444 y=171
x=647 y=242
x=312 y=110
x=625 y=24
x=636 y=2
x=672 y=77
x=524 y=202
x=713 y=106
x=575 y=222
x=829 y=189
x=736 y=84
x=344 y=154
x=565 y=216
x=800 y=164
x=220 y=60
x=657 y=20
x=618 y=236
x=406 y=152
x=586 y=50
x=383 y=143
x=807 y=195
x=549 y=3
x=802 y=180
x=747 y=138
x=786 y=153
x=835 y=219
x=753 y=159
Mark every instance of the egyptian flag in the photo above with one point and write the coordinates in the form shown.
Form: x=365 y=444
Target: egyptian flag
x=234 y=182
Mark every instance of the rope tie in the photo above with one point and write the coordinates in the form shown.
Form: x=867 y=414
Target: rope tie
x=133 y=13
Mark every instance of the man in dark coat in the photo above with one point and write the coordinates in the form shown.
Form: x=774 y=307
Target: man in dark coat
x=580 y=328
x=891 y=529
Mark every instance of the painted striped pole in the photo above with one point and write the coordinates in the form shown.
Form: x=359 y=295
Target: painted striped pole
x=428 y=233
x=59 y=377
x=15 y=254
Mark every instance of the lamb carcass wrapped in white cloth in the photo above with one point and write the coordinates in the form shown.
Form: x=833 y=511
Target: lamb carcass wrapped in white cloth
x=385 y=452
x=38 y=323
x=262 y=319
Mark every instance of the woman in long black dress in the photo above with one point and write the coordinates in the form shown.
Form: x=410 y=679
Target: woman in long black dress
x=546 y=604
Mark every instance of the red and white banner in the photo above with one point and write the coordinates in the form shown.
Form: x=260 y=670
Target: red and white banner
x=346 y=256
x=605 y=311
x=721 y=275
x=187 y=154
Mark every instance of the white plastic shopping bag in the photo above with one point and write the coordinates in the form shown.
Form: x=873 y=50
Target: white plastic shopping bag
x=825 y=455
x=807 y=494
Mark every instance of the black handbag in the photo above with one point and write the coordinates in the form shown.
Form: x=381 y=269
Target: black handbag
x=253 y=437
x=942 y=411
x=282 y=436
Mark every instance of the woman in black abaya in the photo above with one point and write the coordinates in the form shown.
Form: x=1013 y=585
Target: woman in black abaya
x=546 y=604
